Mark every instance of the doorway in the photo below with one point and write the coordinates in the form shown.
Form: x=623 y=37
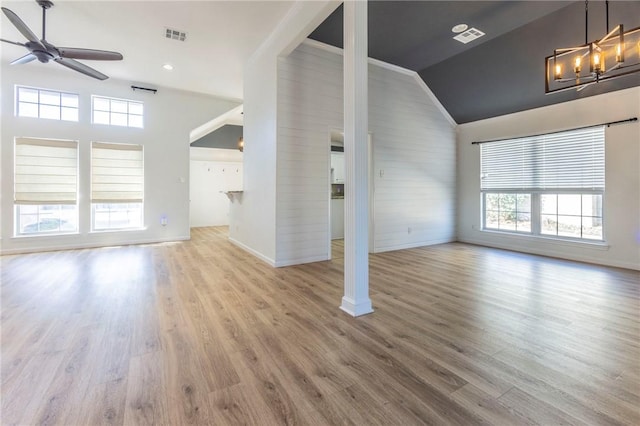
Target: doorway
x=337 y=189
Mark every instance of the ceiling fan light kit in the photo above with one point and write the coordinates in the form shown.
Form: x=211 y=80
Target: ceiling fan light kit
x=615 y=55
x=44 y=51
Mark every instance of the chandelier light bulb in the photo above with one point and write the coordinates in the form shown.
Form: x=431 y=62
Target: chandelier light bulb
x=597 y=66
x=576 y=66
x=558 y=74
x=619 y=50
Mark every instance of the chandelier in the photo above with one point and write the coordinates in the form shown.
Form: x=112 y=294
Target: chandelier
x=615 y=55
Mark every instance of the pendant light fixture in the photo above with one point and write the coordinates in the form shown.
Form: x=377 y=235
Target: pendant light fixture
x=615 y=55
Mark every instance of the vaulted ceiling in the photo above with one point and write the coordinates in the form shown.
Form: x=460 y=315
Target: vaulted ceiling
x=221 y=35
x=499 y=73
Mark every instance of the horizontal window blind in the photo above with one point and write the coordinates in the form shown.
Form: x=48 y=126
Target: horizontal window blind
x=117 y=173
x=46 y=171
x=560 y=161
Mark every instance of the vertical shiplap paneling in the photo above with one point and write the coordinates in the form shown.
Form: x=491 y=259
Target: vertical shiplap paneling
x=309 y=104
x=413 y=144
x=414 y=164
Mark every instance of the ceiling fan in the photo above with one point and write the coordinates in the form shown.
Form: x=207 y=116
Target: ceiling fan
x=44 y=51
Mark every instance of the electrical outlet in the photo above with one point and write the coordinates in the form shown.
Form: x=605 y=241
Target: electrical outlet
x=163 y=220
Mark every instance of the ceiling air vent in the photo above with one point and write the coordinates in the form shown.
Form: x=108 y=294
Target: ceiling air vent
x=469 y=35
x=175 y=34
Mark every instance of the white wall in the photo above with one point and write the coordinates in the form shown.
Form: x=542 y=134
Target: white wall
x=253 y=213
x=413 y=148
x=212 y=172
x=169 y=117
x=622 y=178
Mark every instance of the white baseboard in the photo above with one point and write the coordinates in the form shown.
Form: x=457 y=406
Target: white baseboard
x=61 y=247
x=549 y=252
x=257 y=254
x=383 y=249
x=300 y=261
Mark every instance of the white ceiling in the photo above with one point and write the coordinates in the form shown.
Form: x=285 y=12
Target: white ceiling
x=221 y=36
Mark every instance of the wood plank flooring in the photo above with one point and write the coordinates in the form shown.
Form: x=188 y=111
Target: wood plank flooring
x=200 y=332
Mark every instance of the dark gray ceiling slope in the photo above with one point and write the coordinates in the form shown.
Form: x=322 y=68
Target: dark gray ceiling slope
x=500 y=73
x=226 y=137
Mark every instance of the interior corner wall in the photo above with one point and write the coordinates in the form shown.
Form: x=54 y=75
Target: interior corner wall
x=621 y=208
x=169 y=116
x=414 y=157
x=253 y=213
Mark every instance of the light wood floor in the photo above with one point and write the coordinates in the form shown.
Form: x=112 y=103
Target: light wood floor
x=200 y=332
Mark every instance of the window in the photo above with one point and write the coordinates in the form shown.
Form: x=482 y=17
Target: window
x=117 y=112
x=511 y=212
x=571 y=215
x=549 y=185
x=117 y=186
x=45 y=186
x=40 y=103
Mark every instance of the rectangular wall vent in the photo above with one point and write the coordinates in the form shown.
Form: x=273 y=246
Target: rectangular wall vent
x=175 y=34
x=469 y=35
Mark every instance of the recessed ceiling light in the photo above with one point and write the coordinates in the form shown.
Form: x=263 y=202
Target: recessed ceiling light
x=168 y=67
x=459 y=28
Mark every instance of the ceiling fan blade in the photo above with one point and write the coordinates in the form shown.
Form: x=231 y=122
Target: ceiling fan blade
x=90 y=54
x=25 y=59
x=13 y=42
x=80 y=67
x=22 y=27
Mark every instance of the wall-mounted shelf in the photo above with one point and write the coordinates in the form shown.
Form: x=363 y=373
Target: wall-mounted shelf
x=233 y=194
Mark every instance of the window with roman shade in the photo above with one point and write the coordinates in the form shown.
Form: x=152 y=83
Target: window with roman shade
x=548 y=185
x=117 y=173
x=46 y=171
x=45 y=186
x=117 y=186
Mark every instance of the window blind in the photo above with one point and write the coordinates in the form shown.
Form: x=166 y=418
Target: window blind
x=46 y=171
x=117 y=173
x=566 y=160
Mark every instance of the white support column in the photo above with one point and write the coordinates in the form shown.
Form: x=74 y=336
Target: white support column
x=356 y=300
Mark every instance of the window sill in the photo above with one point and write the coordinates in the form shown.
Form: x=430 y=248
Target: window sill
x=111 y=231
x=53 y=234
x=593 y=244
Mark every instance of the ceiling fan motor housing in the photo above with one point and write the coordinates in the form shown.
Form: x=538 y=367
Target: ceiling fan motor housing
x=45 y=4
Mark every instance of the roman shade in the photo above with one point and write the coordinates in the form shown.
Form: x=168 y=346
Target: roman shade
x=46 y=171
x=117 y=173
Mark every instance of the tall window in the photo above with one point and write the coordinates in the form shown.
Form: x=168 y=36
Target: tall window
x=46 y=186
x=550 y=185
x=40 y=103
x=117 y=186
x=117 y=112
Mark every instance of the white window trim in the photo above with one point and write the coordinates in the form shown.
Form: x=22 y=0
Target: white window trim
x=128 y=114
x=525 y=180
x=17 y=102
x=536 y=216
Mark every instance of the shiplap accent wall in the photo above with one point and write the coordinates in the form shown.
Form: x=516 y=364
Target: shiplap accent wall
x=414 y=153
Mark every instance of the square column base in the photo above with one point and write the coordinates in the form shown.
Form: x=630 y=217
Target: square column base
x=354 y=309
